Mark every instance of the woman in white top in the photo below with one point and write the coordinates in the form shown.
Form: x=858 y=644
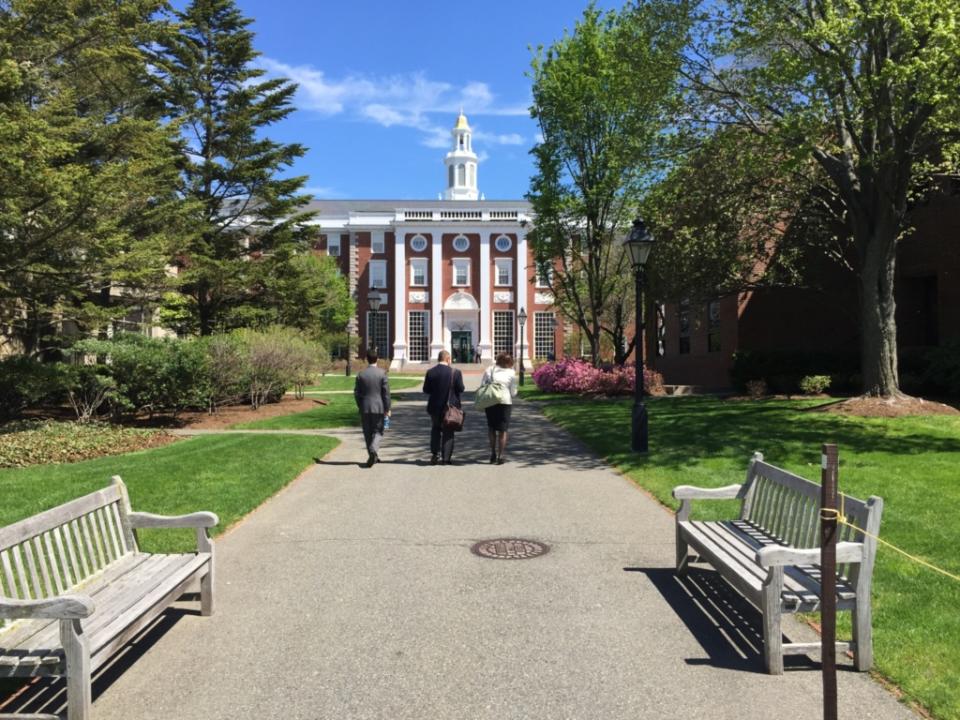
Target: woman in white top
x=498 y=416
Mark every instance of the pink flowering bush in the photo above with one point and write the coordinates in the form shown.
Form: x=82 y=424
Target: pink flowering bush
x=582 y=378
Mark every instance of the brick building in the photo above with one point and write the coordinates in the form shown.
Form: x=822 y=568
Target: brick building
x=698 y=339
x=454 y=273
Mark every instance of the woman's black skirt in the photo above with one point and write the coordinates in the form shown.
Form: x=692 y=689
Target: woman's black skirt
x=498 y=417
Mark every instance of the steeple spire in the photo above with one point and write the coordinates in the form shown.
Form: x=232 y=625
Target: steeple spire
x=461 y=163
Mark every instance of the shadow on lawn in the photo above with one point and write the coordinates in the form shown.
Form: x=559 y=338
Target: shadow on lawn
x=683 y=430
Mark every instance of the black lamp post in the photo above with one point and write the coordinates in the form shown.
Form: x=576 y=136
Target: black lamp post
x=522 y=321
x=374 y=300
x=639 y=243
x=348 y=347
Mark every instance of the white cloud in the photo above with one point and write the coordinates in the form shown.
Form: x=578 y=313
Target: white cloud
x=483 y=156
x=399 y=100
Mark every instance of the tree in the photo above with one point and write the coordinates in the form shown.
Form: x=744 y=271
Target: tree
x=867 y=91
x=246 y=210
x=88 y=174
x=601 y=96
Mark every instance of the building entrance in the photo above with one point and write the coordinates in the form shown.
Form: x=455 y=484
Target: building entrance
x=461 y=346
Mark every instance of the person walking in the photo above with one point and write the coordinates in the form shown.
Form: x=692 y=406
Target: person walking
x=443 y=385
x=503 y=385
x=372 y=393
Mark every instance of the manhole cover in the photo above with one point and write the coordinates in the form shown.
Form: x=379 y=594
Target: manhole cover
x=509 y=549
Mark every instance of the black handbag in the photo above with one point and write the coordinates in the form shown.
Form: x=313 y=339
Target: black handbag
x=453 y=417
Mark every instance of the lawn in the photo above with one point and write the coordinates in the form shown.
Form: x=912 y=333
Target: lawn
x=227 y=474
x=340 y=411
x=342 y=382
x=912 y=463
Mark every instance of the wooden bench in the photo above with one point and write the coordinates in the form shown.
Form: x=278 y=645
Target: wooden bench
x=78 y=588
x=771 y=554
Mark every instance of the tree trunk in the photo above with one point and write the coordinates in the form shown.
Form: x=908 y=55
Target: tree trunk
x=878 y=327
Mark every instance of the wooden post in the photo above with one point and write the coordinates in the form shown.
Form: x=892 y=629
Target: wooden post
x=828 y=578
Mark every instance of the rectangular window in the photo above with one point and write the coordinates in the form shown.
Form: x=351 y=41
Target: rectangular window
x=333 y=245
x=502 y=332
x=461 y=272
x=377 y=270
x=418 y=329
x=377 y=327
x=713 y=326
x=377 y=244
x=683 y=316
x=544 y=274
x=418 y=272
x=544 y=324
x=504 y=272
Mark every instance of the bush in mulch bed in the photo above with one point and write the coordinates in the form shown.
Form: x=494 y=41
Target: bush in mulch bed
x=32 y=442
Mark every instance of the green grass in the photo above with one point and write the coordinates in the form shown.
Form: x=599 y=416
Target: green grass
x=341 y=411
x=342 y=382
x=227 y=474
x=912 y=463
x=530 y=391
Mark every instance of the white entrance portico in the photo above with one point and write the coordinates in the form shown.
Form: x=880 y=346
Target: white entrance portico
x=461 y=326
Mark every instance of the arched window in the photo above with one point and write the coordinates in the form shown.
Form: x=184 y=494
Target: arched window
x=461 y=175
x=450 y=178
x=461 y=142
x=473 y=174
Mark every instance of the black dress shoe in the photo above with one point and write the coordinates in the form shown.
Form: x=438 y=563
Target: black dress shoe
x=434 y=459
x=493 y=458
x=376 y=458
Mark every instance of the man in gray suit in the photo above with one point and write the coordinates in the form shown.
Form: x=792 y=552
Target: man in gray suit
x=372 y=393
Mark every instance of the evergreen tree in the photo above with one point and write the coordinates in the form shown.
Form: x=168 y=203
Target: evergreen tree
x=245 y=209
x=88 y=212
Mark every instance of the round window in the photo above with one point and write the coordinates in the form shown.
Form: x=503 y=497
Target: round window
x=503 y=243
x=418 y=243
x=461 y=243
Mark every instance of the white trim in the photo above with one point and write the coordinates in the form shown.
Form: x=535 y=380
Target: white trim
x=523 y=301
x=399 y=315
x=416 y=262
x=419 y=236
x=486 y=346
x=509 y=243
x=466 y=243
x=436 y=300
x=455 y=263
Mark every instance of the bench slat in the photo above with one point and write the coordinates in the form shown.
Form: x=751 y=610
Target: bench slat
x=60 y=515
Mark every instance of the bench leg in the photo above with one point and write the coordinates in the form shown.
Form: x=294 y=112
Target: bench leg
x=76 y=650
x=862 y=634
x=772 y=632
x=683 y=557
x=205 y=545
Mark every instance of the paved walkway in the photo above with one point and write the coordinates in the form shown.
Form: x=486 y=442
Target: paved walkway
x=353 y=595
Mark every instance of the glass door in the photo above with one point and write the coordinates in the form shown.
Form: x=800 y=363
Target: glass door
x=461 y=342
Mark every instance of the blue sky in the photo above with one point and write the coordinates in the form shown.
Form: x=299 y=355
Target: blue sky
x=381 y=84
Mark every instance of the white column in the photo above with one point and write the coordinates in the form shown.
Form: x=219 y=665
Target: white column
x=436 y=294
x=522 y=299
x=486 y=345
x=400 y=300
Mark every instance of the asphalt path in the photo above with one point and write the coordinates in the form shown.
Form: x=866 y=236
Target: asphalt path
x=353 y=594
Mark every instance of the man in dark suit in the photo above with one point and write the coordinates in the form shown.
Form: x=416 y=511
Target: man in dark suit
x=443 y=385
x=372 y=393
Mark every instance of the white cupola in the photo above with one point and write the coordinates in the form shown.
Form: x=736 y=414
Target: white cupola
x=461 y=164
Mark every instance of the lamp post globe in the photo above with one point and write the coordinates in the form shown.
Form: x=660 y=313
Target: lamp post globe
x=638 y=245
x=522 y=322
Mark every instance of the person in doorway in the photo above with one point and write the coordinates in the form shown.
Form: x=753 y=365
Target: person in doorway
x=372 y=393
x=443 y=385
x=504 y=379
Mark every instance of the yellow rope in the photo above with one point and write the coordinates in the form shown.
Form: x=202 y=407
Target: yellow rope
x=826 y=513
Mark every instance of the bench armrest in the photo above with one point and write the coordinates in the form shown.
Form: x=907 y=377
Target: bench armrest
x=62 y=607
x=847 y=552
x=193 y=520
x=689 y=492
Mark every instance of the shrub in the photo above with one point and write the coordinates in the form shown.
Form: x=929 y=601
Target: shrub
x=276 y=359
x=942 y=371
x=226 y=371
x=757 y=388
x=26 y=382
x=783 y=369
x=152 y=374
x=814 y=384
x=582 y=378
x=88 y=387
